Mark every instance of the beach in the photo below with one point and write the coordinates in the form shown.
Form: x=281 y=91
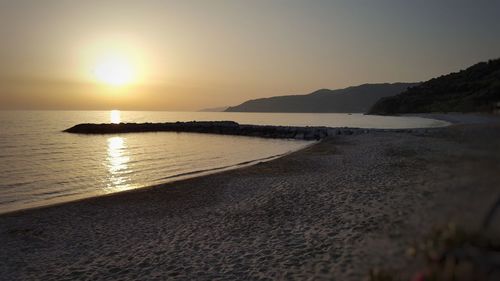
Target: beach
x=332 y=211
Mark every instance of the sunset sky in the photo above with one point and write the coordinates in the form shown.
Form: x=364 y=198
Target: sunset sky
x=187 y=55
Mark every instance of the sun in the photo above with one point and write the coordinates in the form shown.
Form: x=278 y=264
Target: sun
x=114 y=70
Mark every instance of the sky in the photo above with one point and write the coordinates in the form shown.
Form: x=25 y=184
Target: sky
x=187 y=55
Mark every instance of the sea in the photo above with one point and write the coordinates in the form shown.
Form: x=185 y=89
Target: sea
x=41 y=165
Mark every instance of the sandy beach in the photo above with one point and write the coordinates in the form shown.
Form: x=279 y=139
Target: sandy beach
x=332 y=211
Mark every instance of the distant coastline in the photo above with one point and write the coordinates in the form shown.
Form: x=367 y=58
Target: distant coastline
x=355 y=99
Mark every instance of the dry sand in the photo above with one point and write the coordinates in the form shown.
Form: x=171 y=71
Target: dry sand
x=329 y=212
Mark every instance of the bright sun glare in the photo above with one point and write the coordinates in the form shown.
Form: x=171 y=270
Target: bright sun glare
x=115 y=116
x=114 y=70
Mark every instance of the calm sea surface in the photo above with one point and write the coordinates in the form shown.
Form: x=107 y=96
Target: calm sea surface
x=41 y=165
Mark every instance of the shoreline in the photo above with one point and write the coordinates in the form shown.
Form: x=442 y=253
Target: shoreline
x=168 y=180
x=330 y=211
x=313 y=134
x=460 y=118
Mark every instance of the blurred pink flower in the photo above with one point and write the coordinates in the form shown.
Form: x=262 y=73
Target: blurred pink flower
x=419 y=276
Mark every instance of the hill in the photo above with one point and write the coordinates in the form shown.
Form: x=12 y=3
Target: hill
x=476 y=89
x=349 y=100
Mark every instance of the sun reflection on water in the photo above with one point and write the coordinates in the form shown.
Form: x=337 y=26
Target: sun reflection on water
x=115 y=116
x=117 y=163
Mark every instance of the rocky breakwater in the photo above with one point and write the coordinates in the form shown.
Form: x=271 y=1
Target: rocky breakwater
x=225 y=128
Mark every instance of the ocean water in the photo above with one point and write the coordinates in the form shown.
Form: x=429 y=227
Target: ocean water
x=41 y=165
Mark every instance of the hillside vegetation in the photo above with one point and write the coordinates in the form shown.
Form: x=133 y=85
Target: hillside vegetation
x=476 y=89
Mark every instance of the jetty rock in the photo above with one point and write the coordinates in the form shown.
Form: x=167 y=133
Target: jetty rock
x=223 y=128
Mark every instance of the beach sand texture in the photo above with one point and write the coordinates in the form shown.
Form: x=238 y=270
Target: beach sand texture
x=329 y=212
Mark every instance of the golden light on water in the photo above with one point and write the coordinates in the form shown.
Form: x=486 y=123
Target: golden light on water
x=117 y=163
x=115 y=116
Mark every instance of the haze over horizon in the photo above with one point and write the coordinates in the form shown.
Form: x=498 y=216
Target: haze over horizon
x=187 y=55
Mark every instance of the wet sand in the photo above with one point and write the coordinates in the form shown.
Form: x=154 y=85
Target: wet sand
x=329 y=212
